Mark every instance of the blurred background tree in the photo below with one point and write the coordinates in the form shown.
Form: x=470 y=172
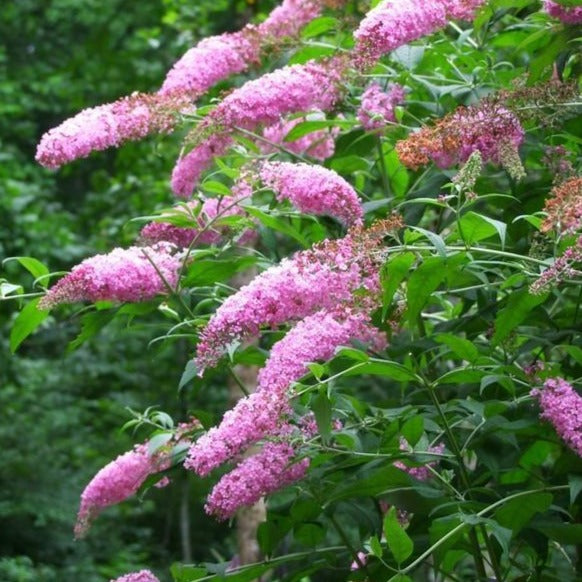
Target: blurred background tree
x=61 y=408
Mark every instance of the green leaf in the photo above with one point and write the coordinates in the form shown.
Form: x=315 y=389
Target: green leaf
x=397 y=173
x=318 y=26
x=563 y=533
x=475 y=227
x=575 y=483
x=277 y=224
x=423 y=281
x=400 y=578
x=309 y=534
x=312 y=125
x=216 y=187
x=398 y=541
x=91 y=324
x=501 y=534
x=375 y=483
x=461 y=347
x=518 y=307
x=518 y=512
x=349 y=164
x=392 y=274
x=385 y=368
x=461 y=376
x=412 y=429
x=190 y=372
x=375 y=547
x=321 y=406
x=435 y=239
x=27 y=321
x=186 y=573
x=33 y=266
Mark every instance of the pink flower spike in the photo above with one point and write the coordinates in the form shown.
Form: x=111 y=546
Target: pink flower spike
x=141 y=576
x=116 y=482
x=213 y=59
x=562 y=406
x=314 y=190
x=121 y=275
x=265 y=472
x=322 y=278
x=292 y=89
x=262 y=413
x=109 y=125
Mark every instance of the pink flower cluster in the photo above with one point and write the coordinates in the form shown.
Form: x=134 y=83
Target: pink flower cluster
x=314 y=338
x=319 y=144
x=393 y=23
x=116 y=482
x=421 y=473
x=262 y=101
x=256 y=476
x=321 y=278
x=291 y=89
x=136 y=116
x=141 y=576
x=562 y=406
x=563 y=268
x=204 y=213
x=567 y=14
x=121 y=275
x=211 y=60
x=106 y=126
x=377 y=107
x=313 y=190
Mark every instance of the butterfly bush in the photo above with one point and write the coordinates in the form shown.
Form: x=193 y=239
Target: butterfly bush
x=321 y=278
x=313 y=190
x=487 y=127
x=262 y=101
x=270 y=469
x=393 y=23
x=133 y=274
x=561 y=405
x=141 y=576
x=567 y=14
x=318 y=145
x=377 y=106
x=109 y=125
x=314 y=338
x=210 y=61
x=562 y=268
x=116 y=482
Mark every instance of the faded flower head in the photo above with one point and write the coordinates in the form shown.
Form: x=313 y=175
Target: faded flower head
x=564 y=207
